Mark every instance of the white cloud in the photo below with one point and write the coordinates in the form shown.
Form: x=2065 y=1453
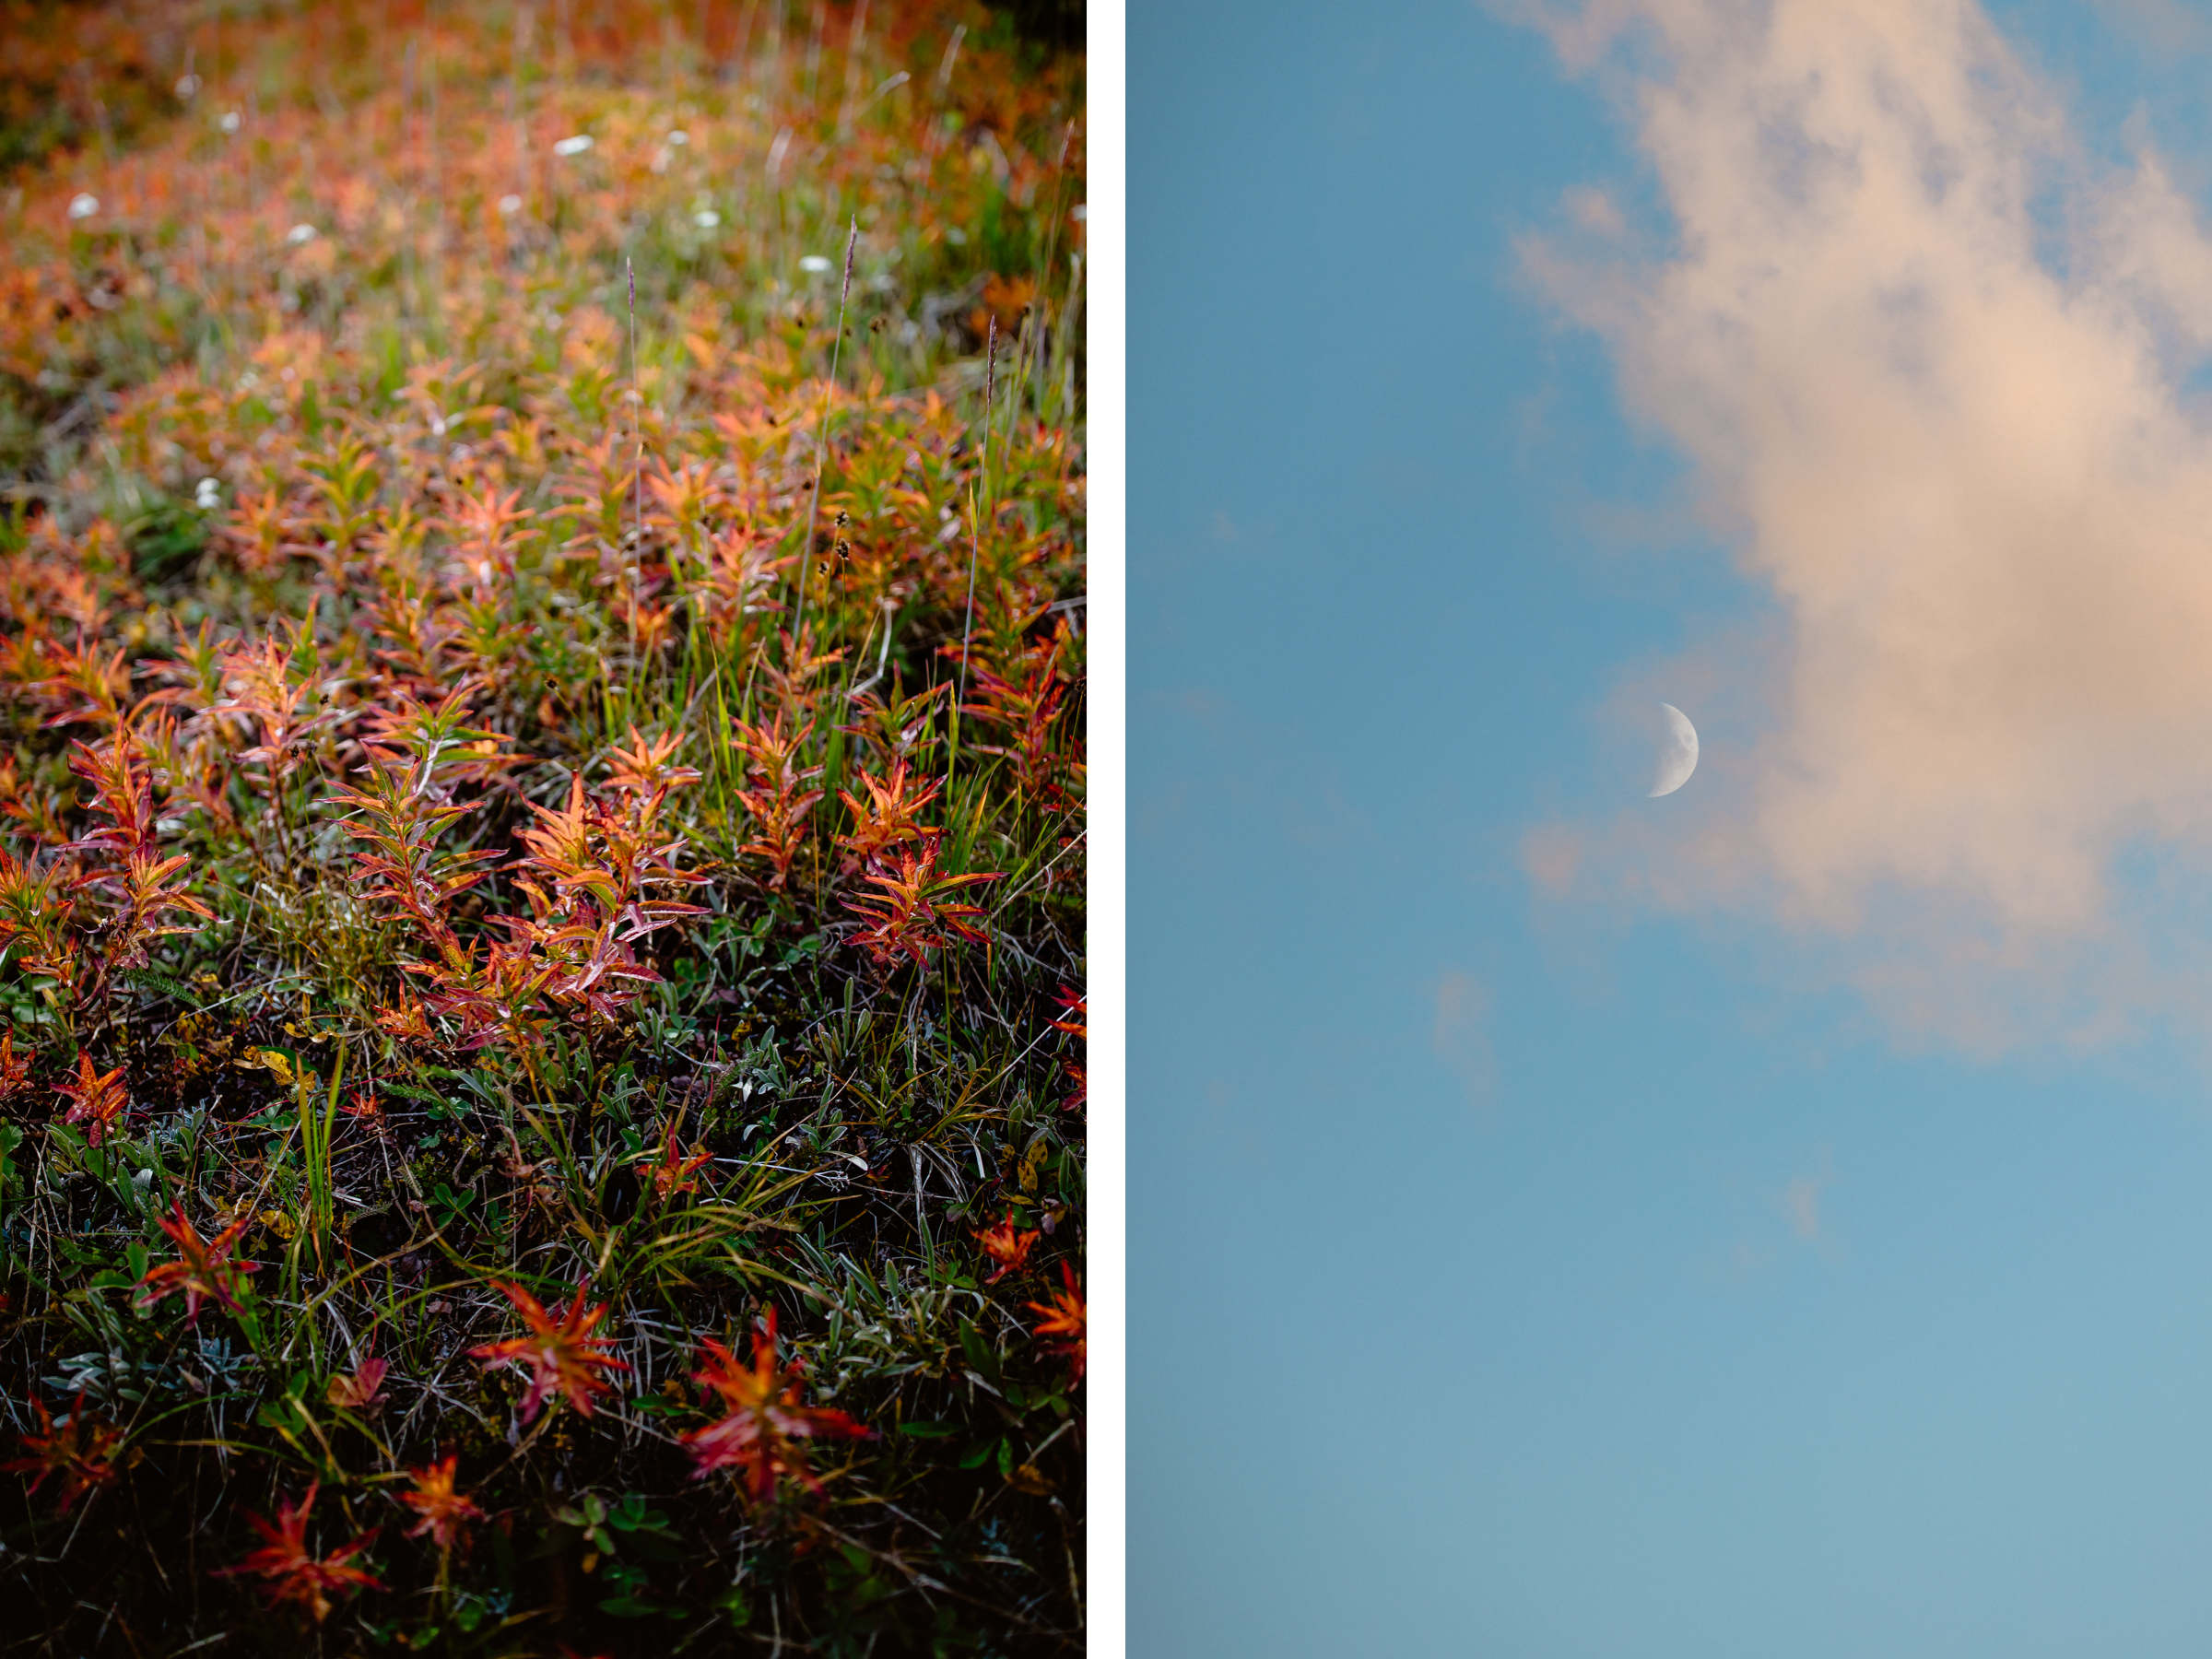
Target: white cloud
x=1926 y=362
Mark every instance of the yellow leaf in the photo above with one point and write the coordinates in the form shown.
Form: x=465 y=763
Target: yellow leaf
x=270 y=1059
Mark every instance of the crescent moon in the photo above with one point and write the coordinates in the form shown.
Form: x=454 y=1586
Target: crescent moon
x=1679 y=759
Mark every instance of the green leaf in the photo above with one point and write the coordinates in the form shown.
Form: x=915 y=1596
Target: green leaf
x=283 y=1413
x=410 y=1091
x=971 y=1344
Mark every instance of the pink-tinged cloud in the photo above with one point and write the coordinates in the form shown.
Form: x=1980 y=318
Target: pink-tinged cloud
x=1801 y=1204
x=1926 y=359
x=1461 y=1035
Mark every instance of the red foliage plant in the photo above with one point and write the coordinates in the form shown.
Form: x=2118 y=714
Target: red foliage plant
x=561 y=1351
x=778 y=799
x=92 y=911
x=365 y=1106
x=1063 y=1324
x=764 y=1419
x=443 y=1512
x=887 y=818
x=911 y=916
x=146 y=887
x=1025 y=700
x=80 y=1453
x=295 y=1573
x=675 y=1172
x=1008 y=1248
x=94 y=1098
x=202 y=1271
x=1075 y=1025
x=591 y=874
x=363 y=1391
x=594 y=871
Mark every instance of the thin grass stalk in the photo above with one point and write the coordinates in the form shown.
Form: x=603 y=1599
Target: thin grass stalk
x=975 y=545
x=1035 y=321
x=637 y=470
x=821 y=442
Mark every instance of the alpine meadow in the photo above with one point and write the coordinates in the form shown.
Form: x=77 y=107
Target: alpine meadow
x=542 y=830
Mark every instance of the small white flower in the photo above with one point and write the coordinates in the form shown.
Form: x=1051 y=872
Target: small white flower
x=706 y=219
x=679 y=136
x=230 y=121
x=814 y=263
x=82 y=205
x=187 y=85
x=511 y=205
x=956 y=235
x=1082 y=210
x=208 y=495
x=574 y=146
x=300 y=235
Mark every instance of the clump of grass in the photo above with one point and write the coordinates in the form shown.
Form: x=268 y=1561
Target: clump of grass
x=541 y=883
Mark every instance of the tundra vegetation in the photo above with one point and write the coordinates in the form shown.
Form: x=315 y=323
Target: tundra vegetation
x=541 y=828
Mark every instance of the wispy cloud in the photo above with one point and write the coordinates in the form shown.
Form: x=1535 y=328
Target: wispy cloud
x=1461 y=1035
x=1929 y=363
x=1801 y=1202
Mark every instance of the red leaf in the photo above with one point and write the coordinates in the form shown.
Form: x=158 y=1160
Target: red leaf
x=559 y=1350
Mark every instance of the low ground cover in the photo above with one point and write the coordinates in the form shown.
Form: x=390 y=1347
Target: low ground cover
x=541 y=830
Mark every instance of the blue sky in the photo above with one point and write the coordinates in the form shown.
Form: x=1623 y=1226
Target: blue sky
x=1767 y=1219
